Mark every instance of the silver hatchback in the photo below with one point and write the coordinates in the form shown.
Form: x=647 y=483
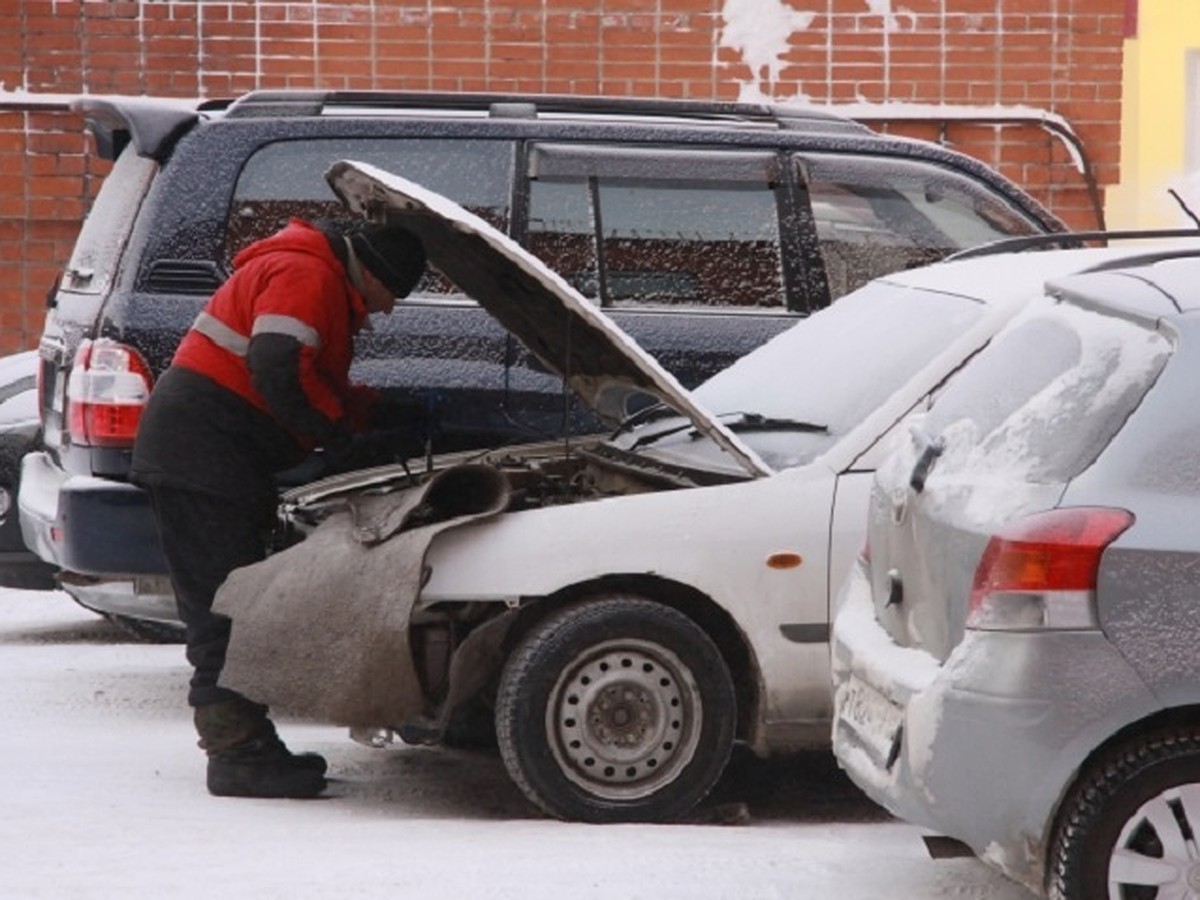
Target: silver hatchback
x=1016 y=654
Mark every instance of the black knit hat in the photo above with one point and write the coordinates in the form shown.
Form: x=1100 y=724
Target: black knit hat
x=393 y=254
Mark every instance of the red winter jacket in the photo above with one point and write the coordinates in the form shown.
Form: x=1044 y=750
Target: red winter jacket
x=291 y=283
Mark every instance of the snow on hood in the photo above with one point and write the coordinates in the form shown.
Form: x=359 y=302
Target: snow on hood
x=573 y=338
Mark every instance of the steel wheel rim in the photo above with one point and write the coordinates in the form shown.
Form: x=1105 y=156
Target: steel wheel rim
x=1152 y=850
x=624 y=719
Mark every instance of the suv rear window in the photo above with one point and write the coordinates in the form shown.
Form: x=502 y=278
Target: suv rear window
x=1048 y=395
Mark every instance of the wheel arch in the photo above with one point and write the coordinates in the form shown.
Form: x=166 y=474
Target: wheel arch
x=1159 y=728
x=714 y=620
x=1173 y=717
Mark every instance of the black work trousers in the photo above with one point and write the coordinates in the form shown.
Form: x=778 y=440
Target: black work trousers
x=204 y=538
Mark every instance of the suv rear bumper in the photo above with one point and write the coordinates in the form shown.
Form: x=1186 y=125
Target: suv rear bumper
x=88 y=525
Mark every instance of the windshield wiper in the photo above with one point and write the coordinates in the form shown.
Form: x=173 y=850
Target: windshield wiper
x=651 y=438
x=759 y=422
x=645 y=414
x=745 y=422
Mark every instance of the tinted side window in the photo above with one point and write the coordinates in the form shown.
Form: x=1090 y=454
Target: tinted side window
x=876 y=215
x=633 y=227
x=287 y=179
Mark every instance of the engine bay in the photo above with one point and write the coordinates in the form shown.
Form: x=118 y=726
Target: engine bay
x=539 y=476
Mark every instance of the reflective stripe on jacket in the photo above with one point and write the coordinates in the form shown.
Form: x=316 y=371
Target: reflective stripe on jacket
x=291 y=283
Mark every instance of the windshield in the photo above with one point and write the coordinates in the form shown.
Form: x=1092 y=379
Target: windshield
x=795 y=396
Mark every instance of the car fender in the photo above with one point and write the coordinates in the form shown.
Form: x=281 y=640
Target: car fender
x=758 y=549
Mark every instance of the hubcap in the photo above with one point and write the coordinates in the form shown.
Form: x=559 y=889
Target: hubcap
x=1158 y=850
x=624 y=719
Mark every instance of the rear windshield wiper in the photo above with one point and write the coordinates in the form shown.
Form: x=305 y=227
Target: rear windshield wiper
x=931 y=449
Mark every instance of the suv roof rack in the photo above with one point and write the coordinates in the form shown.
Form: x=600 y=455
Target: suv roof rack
x=531 y=106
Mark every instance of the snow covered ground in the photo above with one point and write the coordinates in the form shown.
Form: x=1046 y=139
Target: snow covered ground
x=103 y=797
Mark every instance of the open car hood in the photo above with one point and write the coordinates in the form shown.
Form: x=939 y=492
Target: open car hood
x=570 y=336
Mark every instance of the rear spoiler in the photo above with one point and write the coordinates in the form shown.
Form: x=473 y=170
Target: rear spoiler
x=152 y=126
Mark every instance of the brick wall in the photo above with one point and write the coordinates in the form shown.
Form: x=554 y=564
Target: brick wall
x=1061 y=56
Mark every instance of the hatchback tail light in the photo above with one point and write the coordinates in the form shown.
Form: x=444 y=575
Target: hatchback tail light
x=106 y=393
x=1040 y=571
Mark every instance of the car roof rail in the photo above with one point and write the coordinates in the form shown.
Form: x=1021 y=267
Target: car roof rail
x=1068 y=240
x=529 y=106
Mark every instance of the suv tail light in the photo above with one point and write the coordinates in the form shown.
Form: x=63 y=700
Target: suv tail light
x=1040 y=571
x=106 y=393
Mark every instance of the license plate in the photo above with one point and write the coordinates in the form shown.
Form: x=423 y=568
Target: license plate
x=872 y=717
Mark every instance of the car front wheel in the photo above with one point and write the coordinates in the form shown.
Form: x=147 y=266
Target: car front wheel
x=616 y=710
x=1130 y=827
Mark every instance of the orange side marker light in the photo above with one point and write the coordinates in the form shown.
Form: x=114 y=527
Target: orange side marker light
x=785 y=559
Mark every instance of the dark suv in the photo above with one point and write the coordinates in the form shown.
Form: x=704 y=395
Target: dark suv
x=703 y=229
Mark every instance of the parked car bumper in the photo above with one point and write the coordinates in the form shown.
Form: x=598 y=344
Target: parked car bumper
x=149 y=598
x=87 y=525
x=19 y=567
x=942 y=744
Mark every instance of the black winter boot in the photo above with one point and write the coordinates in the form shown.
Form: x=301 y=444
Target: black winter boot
x=246 y=758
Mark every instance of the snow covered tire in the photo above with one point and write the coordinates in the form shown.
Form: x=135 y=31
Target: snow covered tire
x=1125 y=827
x=618 y=709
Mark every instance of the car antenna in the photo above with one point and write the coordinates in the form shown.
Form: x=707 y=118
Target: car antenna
x=568 y=394
x=1183 y=205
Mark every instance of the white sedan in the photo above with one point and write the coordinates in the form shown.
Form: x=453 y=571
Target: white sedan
x=626 y=608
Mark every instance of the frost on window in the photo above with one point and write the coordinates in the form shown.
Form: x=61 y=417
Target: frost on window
x=634 y=243
x=1046 y=398
x=286 y=179
x=562 y=233
x=97 y=252
x=879 y=215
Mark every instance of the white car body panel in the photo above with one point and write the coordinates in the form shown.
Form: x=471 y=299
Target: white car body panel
x=716 y=540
